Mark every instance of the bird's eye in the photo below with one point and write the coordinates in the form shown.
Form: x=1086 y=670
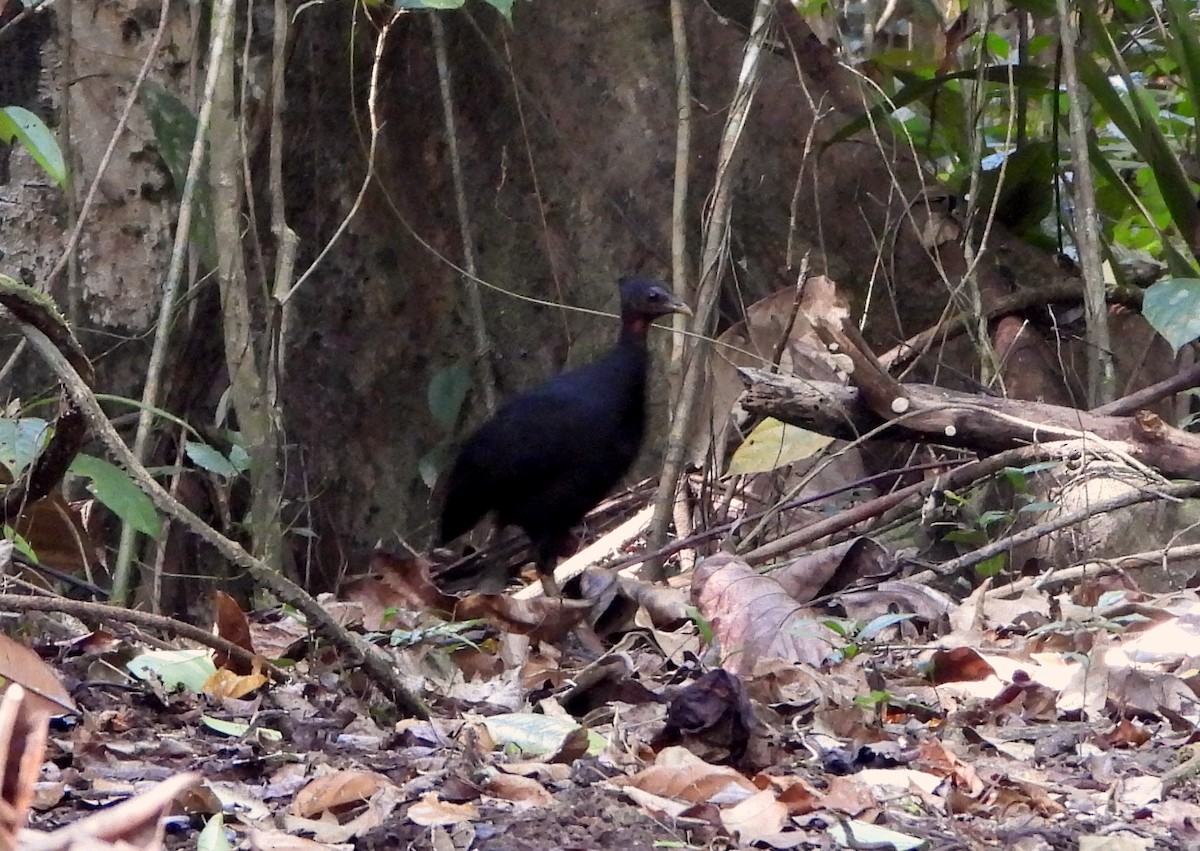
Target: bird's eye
x=656 y=295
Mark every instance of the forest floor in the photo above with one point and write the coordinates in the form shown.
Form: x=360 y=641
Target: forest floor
x=1024 y=715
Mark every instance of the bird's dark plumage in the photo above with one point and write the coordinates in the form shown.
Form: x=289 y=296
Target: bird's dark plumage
x=550 y=455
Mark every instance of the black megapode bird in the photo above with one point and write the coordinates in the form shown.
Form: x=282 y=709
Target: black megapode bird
x=551 y=454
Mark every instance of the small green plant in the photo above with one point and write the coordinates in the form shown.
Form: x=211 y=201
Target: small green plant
x=21 y=125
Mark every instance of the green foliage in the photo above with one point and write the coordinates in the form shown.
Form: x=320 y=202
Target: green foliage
x=214 y=461
x=22 y=125
x=504 y=7
x=20 y=442
x=1172 y=307
x=447 y=391
x=116 y=491
x=445 y=396
x=774 y=444
x=175 y=130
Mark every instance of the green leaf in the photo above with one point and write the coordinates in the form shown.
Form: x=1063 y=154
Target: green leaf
x=208 y=458
x=21 y=441
x=990 y=518
x=117 y=492
x=212 y=837
x=447 y=391
x=1037 y=507
x=174 y=668
x=175 y=130
x=1172 y=307
x=1023 y=76
x=1137 y=122
x=774 y=444
x=504 y=7
x=853 y=833
x=22 y=125
x=992 y=566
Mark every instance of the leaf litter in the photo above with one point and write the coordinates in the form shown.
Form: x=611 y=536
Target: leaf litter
x=764 y=710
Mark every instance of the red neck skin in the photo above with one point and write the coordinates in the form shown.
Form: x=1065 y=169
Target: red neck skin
x=634 y=327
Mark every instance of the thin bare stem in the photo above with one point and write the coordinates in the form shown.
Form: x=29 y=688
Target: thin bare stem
x=1101 y=376
x=715 y=254
x=223 y=17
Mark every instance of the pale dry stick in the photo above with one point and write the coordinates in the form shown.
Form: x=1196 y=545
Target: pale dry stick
x=679 y=192
x=1097 y=567
x=377 y=666
x=65 y=18
x=160 y=554
x=373 y=112
x=287 y=242
x=1101 y=376
x=715 y=253
x=223 y=16
x=680 y=511
x=483 y=345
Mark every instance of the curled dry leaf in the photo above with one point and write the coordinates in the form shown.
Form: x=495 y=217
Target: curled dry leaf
x=336 y=791
x=809 y=576
x=230 y=623
x=754 y=618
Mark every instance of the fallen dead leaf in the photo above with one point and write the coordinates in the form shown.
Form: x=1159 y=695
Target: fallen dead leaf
x=432 y=810
x=336 y=791
x=754 y=618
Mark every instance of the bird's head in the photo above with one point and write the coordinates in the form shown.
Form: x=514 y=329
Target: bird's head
x=646 y=300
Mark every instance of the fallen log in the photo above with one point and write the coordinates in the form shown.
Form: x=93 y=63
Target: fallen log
x=925 y=413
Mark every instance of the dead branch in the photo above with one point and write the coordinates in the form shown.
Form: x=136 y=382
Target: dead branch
x=983 y=423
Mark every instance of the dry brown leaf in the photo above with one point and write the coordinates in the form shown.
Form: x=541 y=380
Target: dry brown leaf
x=432 y=810
x=225 y=683
x=44 y=692
x=394 y=583
x=54 y=529
x=276 y=639
x=278 y=840
x=754 y=618
x=230 y=623
x=793 y=792
x=336 y=791
x=806 y=577
x=519 y=790
x=760 y=815
x=849 y=796
x=679 y=774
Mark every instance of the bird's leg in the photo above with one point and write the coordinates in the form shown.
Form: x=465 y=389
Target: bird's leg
x=547 y=557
